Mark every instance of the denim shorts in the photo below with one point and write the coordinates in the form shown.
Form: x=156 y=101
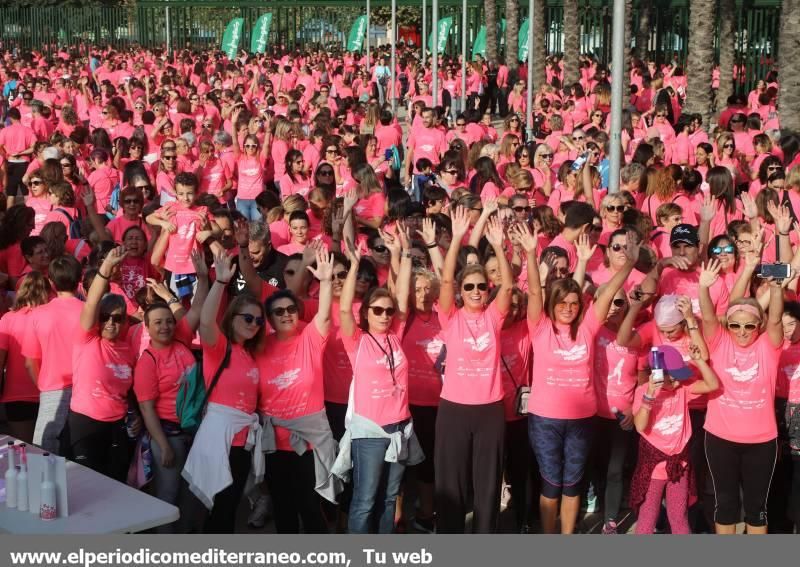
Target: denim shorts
x=561 y=447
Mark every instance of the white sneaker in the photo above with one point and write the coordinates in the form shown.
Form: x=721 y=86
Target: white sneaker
x=259 y=513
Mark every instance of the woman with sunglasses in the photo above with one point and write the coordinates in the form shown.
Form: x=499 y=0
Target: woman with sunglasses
x=471 y=416
x=378 y=399
x=296 y=178
x=544 y=178
x=167 y=170
x=250 y=167
x=563 y=338
x=325 y=178
x=291 y=400
x=517 y=101
x=722 y=249
x=727 y=156
x=741 y=430
x=102 y=370
x=38 y=200
x=229 y=350
x=611 y=208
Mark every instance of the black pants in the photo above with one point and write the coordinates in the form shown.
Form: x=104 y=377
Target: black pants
x=522 y=473
x=336 y=414
x=794 y=504
x=746 y=465
x=425 y=428
x=103 y=446
x=15 y=171
x=222 y=519
x=701 y=514
x=468 y=457
x=291 y=480
x=606 y=464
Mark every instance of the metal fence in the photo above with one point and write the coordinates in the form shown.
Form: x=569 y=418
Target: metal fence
x=201 y=23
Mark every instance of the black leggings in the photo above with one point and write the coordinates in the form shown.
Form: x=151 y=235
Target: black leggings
x=522 y=472
x=468 y=456
x=222 y=519
x=291 y=480
x=102 y=446
x=794 y=505
x=425 y=429
x=749 y=465
x=606 y=464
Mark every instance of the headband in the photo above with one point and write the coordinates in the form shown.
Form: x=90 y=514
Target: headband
x=745 y=308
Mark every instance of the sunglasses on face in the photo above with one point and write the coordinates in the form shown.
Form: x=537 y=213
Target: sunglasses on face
x=577 y=138
x=66 y=165
x=750 y=327
x=521 y=209
x=168 y=158
x=250 y=319
x=728 y=146
x=326 y=173
x=250 y=146
x=773 y=167
x=514 y=120
x=379 y=311
x=131 y=201
x=618 y=302
x=142 y=187
x=380 y=249
x=722 y=249
x=616 y=208
x=340 y=275
x=115 y=318
x=483 y=286
x=364 y=277
x=661 y=115
x=35 y=182
x=280 y=311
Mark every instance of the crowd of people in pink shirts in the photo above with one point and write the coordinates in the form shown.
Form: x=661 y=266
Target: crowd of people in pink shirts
x=401 y=322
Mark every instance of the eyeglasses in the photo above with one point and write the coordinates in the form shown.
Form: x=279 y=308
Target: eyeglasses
x=66 y=164
x=331 y=151
x=380 y=249
x=340 y=275
x=36 y=182
x=728 y=146
x=521 y=209
x=280 y=311
x=250 y=146
x=142 y=187
x=616 y=208
x=379 y=311
x=364 y=277
x=325 y=172
x=104 y=113
x=723 y=249
x=132 y=201
x=483 y=286
x=546 y=156
x=250 y=319
x=616 y=247
x=168 y=158
x=514 y=120
x=451 y=171
x=750 y=327
x=577 y=138
x=115 y=318
x=618 y=302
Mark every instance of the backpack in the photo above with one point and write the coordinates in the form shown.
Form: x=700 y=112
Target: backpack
x=192 y=398
x=74 y=223
x=114 y=202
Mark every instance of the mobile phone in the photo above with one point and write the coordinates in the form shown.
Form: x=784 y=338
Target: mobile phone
x=387 y=155
x=776 y=271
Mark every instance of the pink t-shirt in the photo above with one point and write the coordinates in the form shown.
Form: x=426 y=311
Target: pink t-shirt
x=250 y=175
x=159 y=374
x=237 y=386
x=370 y=207
x=41 y=206
x=562 y=368
x=102 y=181
x=472 y=371
x=291 y=383
x=615 y=373
x=102 y=373
x=17 y=386
x=670 y=427
x=515 y=365
x=788 y=385
x=742 y=410
x=380 y=376
x=427 y=143
x=678 y=282
x=423 y=344
x=118 y=225
x=189 y=221
x=53 y=328
x=299 y=184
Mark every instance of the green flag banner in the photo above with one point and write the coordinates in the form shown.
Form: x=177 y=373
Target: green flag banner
x=524 y=29
x=355 y=40
x=445 y=25
x=232 y=37
x=260 y=36
x=479 y=46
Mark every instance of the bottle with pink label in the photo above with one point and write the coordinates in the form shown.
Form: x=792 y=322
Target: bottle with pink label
x=48 y=501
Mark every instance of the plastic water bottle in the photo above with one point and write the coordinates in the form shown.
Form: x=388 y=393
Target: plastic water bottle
x=48 y=503
x=11 y=477
x=618 y=414
x=129 y=418
x=657 y=365
x=22 y=481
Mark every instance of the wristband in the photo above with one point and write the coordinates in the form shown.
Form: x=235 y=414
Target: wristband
x=783 y=233
x=99 y=273
x=434 y=245
x=222 y=282
x=692 y=328
x=646 y=398
x=173 y=301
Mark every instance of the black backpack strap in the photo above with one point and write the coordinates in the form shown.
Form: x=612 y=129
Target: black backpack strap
x=66 y=214
x=222 y=366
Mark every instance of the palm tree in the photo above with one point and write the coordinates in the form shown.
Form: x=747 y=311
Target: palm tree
x=512 y=35
x=490 y=16
x=539 y=51
x=700 y=58
x=727 y=17
x=789 y=59
x=643 y=31
x=571 y=42
x=628 y=35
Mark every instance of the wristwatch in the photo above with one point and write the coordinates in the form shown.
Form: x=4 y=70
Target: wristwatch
x=173 y=301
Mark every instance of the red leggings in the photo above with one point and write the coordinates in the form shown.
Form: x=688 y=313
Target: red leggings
x=677 y=506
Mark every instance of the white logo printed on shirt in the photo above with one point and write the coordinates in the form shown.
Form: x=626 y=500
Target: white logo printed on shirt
x=603 y=342
x=616 y=373
x=253 y=375
x=743 y=375
x=431 y=346
x=384 y=360
x=121 y=371
x=792 y=371
x=481 y=343
x=285 y=379
x=669 y=425
x=575 y=353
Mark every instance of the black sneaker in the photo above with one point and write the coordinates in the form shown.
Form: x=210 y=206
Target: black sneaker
x=424 y=525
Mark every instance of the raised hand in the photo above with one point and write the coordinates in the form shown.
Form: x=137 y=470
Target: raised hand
x=241 y=231
x=460 y=223
x=428 y=232
x=782 y=217
x=351 y=250
x=113 y=258
x=403 y=236
x=584 y=248
x=89 y=198
x=495 y=233
x=324 y=270
x=709 y=273
x=708 y=210
x=750 y=207
x=223 y=266
x=684 y=306
x=632 y=247
x=350 y=199
x=391 y=240
x=159 y=289
x=490 y=206
x=199 y=263
x=529 y=241
x=696 y=353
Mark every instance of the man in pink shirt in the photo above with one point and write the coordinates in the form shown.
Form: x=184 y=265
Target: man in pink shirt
x=52 y=329
x=680 y=274
x=16 y=145
x=425 y=142
x=42 y=127
x=578 y=220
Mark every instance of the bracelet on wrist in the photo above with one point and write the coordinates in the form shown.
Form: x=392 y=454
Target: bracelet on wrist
x=223 y=282
x=783 y=233
x=173 y=301
x=102 y=275
x=434 y=245
x=646 y=398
